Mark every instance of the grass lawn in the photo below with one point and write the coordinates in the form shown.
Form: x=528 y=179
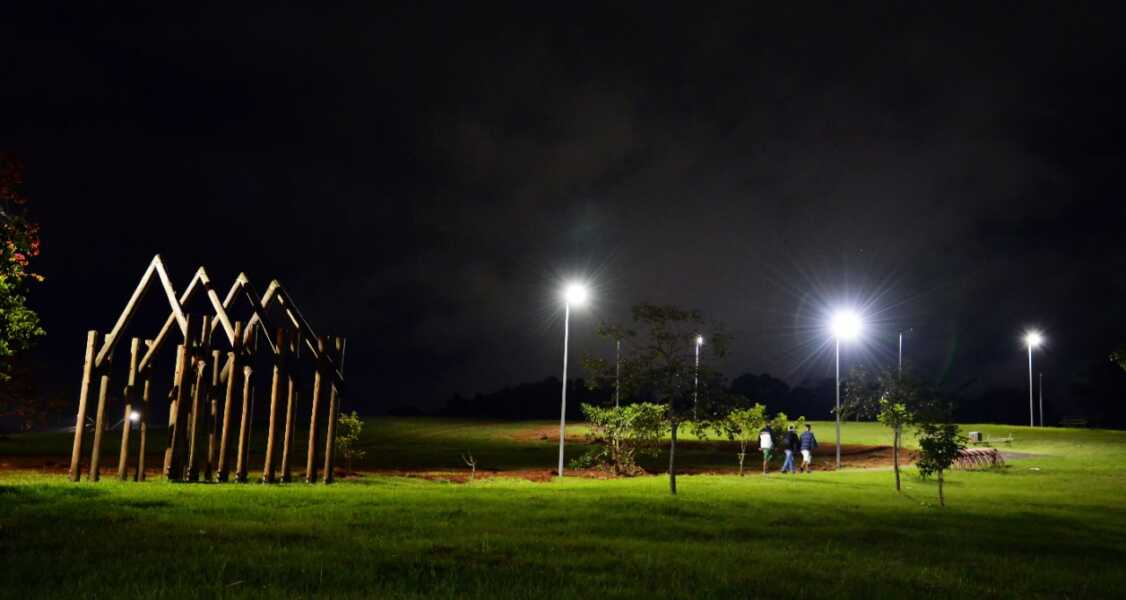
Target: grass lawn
x=1050 y=525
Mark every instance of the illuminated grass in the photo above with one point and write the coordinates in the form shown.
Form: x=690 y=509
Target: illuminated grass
x=1050 y=525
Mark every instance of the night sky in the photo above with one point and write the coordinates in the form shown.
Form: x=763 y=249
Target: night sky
x=423 y=178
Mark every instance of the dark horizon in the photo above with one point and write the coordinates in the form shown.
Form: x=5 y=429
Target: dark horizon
x=423 y=179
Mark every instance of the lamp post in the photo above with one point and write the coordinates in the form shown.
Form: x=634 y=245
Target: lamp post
x=573 y=294
x=1032 y=339
x=696 y=378
x=845 y=325
x=1041 y=398
x=618 y=376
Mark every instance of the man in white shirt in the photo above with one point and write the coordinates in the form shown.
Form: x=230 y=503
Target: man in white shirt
x=766 y=445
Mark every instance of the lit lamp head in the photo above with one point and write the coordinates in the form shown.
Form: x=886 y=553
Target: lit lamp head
x=845 y=325
x=699 y=340
x=575 y=294
x=1033 y=339
x=134 y=416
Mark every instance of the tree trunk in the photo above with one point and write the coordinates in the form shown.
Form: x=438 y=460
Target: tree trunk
x=742 y=455
x=672 y=460
x=895 y=457
x=941 y=499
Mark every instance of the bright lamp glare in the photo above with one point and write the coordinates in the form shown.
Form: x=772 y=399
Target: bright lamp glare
x=845 y=325
x=134 y=416
x=1033 y=339
x=575 y=294
x=699 y=340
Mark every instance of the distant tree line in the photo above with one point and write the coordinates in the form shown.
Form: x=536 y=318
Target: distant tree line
x=1090 y=397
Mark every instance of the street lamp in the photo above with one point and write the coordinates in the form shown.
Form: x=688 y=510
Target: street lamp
x=844 y=325
x=696 y=378
x=901 y=350
x=618 y=375
x=574 y=294
x=1032 y=339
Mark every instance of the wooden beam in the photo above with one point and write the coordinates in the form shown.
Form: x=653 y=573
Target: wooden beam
x=127 y=422
x=99 y=427
x=228 y=403
x=306 y=330
x=244 y=425
x=83 y=394
x=333 y=408
x=123 y=319
x=220 y=309
x=311 y=448
x=170 y=292
x=155 y=347
x=275 y=391
x=290 y=405
x=174 y=454
x=213 y=416
x=199 y=364
x=145 y=411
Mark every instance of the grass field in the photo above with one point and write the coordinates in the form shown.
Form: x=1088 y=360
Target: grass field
x=1052 y=524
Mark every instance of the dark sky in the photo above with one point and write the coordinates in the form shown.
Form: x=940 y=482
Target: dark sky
x=423 y=177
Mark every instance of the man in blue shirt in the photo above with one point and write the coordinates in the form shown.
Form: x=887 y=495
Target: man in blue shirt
x=808 y=443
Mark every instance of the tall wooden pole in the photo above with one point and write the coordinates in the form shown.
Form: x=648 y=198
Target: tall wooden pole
x=213 y=415
x=311 y=451
x=198 y=362
x=100 y=423
x=333 y=407
x=244 y=425
x=228 y=402
x=290 y=403
x=142 y=442
x=80 y=420
x=174 y=455
x=127 y=422
x=275 y=391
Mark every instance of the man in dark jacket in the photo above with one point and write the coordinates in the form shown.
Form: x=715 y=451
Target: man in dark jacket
x=808 y=443
x=790 y=443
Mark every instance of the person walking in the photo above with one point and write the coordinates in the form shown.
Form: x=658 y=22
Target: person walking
x=807 y=443
x=766 y=444
x=790 y=445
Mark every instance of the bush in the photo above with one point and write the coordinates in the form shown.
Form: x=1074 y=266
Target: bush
x=620 y=434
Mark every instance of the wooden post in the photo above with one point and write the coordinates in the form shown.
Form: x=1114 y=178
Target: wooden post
x=311 y=452
x=199 y=364
x=290 y=404
x=100 y=423
x=174 y=455
x=142 y=442
x=80 y=421
x=333 y=408
x=127 y=422
x=244 y=426
x=212 y=415
x=228 y=401
x=275 y=390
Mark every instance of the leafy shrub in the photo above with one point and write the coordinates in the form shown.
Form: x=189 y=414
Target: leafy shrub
x=620 y=434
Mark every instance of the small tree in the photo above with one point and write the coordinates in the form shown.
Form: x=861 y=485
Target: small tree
x=19 y=243
x=901 y=396
x=894 y=415
x=861 y=394
x=940 y=441
x=470 y=462
x=348 y=429
x=619 y=434
x=658 y=363
x=743 y=425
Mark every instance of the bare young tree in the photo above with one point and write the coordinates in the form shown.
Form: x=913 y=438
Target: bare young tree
x=470 y=462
